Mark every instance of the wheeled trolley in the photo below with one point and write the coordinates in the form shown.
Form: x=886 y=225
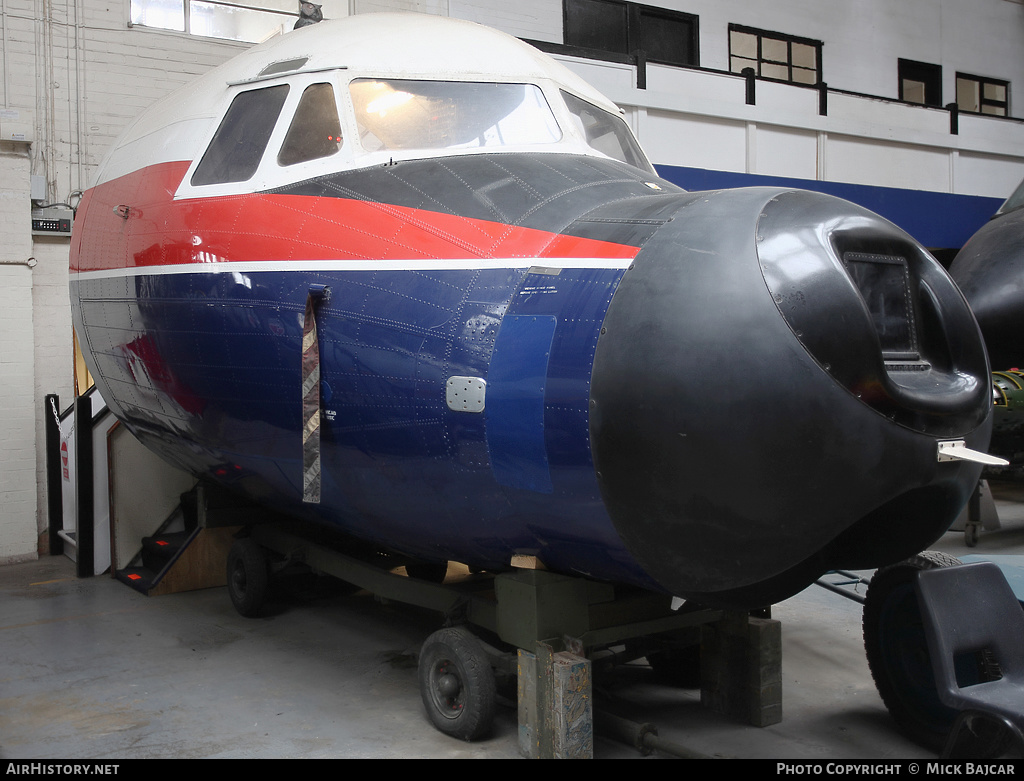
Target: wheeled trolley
x=525 y=625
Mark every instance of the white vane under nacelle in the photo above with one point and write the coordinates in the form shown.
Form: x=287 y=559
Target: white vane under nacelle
x=957 y=450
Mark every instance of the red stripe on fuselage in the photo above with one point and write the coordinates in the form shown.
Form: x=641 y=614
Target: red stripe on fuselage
x=133 y=221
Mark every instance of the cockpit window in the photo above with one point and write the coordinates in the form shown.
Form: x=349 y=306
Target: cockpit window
x=606 y=132
x=406 y=114
x=236 y=149
x=315 y=130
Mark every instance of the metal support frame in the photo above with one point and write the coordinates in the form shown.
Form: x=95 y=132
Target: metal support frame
x=551 y=619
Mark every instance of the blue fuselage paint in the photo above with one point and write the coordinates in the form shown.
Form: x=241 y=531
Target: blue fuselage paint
x=214 y=358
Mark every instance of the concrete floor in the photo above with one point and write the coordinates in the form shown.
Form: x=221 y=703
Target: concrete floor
x=92 y=669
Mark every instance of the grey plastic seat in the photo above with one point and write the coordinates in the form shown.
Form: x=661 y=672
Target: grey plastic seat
x=968 y=609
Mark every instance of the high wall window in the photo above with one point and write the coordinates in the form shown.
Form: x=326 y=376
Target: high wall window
x=982 y=96
x=252 y=21
x=920 y=82
x=667 y=37
x=774 y=55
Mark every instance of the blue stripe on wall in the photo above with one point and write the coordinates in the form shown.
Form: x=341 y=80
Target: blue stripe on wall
x=937 y=220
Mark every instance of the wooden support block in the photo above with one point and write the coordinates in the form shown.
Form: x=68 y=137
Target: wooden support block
x=529 y=707
x=555 y=705
x=520 y=561
x=572 y=710
x=741 y=668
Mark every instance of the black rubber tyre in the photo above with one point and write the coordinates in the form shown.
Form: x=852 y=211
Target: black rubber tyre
x=457 y=684
x=248 y=577
x=897 y=651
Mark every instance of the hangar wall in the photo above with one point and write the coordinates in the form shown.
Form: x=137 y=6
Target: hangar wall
x=17 y=413
x=81 y=72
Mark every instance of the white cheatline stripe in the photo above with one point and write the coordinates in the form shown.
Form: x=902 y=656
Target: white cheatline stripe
x=442 y=264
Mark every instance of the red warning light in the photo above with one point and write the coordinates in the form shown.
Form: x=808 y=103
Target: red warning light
x=133 y=576
x=162 y=542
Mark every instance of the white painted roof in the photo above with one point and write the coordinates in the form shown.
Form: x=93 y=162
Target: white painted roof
x=387 y=44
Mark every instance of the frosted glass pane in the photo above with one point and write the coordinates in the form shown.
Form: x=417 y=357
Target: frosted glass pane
x=288 y=6
x=165 y=14
x=913 y=91
x=805 y=56
x=804 y=76
x=967 y=95
x=743 y=45
x=237 y=24
x=738 y=64
x=995 y=92
x=774 y=50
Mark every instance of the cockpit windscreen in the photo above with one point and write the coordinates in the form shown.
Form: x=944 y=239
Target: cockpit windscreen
x=394 y=114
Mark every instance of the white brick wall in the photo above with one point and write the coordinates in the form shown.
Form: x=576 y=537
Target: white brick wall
x=17 y=377
x=438 y=7
x=538 y=20
x=54 y=352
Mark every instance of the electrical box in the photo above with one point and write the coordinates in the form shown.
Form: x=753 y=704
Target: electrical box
x=52 y=221
x=17 y=124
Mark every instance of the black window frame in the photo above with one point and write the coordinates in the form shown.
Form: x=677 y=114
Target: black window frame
x=981 y=81
x=777 y=36
x=634 y=16
x=927 y=73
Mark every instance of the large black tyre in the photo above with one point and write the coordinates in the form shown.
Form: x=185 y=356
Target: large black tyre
x=248 y=577
x=897 y=650
x=457 y=684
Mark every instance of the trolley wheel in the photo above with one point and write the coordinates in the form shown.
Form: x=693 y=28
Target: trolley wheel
x=248 y=577
x=457 y=684
x=897 y=650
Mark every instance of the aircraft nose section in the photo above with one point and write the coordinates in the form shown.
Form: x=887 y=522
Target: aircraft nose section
x=773 y=375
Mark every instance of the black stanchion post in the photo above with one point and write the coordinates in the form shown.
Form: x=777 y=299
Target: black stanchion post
x=54 y=493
